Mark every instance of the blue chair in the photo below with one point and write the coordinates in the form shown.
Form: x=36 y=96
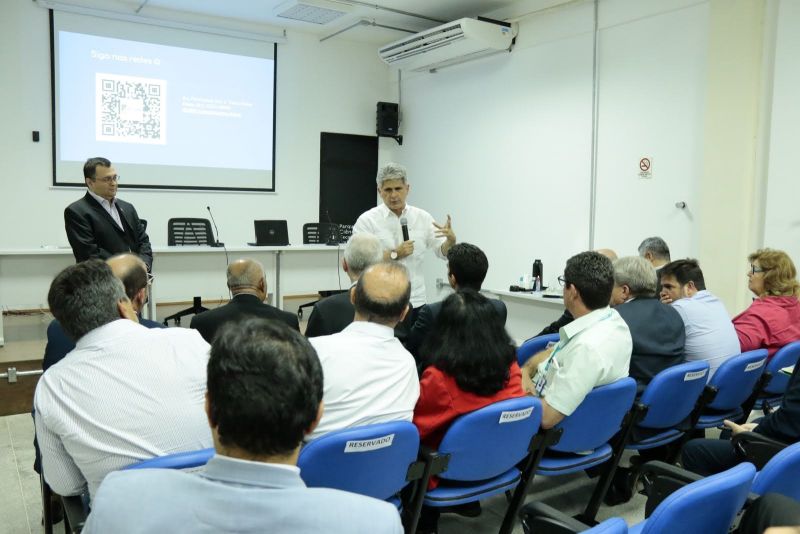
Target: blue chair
x=479 y=453
x=780 y=474
x=772 y=392
x=587 y=438
x=374 y=460
x=703 y=507
x=669 y=399
x=533 y=346
x=734 y=382
x=178 y=460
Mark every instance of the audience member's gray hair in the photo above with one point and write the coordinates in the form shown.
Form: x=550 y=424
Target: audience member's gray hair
x=638 y=274
x=249 y=275
x=655 y=246
x=391 y=171
x=85 y=296
x=362 y=250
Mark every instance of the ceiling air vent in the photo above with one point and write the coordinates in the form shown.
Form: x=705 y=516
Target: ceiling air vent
x=313 y=11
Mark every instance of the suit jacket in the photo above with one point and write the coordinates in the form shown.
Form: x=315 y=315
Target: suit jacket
x=426 y=318
x=332 y=314
x=92 y=232
x=658 y=336
x=555 y=326
x=240 y=306
x=232 y=495
x=784 y=424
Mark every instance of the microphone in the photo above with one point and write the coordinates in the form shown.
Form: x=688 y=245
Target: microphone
x=217 y=242
x=404 y=226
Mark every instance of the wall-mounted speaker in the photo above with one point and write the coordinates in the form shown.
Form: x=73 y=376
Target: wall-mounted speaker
x=387 y=119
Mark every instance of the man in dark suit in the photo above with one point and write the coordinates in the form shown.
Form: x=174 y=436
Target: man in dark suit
x=466 y=269
x=100 y=225
x=332 y=314
x=656 y=328
x=248 y=285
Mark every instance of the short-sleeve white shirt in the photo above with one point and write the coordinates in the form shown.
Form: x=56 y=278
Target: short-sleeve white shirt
x=593 y=350
x=385 y=224
x=369 y=378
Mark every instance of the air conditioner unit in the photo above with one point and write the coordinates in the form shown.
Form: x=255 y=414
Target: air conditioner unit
x=455 y=42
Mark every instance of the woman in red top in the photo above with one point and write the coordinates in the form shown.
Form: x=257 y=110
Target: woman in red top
x=773 y=319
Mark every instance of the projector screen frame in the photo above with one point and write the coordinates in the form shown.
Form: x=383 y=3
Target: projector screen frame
x=123 y=185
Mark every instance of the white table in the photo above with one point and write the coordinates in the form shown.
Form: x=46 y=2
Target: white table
x=180 y=272
x=528 y=313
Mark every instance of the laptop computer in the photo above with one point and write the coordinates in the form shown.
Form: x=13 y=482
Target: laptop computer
x=270 y=234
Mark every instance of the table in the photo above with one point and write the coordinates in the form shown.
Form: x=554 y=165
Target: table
x=528 y=313
x=180 y=272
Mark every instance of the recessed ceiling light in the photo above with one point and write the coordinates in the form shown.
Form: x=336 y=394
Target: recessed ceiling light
x=313 y=11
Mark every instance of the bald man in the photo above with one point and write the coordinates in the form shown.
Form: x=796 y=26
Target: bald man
x=369 y=376
x=248 y=285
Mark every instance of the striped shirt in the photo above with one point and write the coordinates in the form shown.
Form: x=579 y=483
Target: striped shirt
x=124 y=394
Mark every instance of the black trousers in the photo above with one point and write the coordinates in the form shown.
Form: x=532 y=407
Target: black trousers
x=709 y=456
x=770 y=510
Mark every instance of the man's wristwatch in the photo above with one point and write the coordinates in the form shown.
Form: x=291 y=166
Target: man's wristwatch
x=393 y=254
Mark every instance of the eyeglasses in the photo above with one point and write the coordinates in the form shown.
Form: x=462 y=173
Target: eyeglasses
x=150 y=279
x=562 y=281
x=754 y=269
x=109 y=179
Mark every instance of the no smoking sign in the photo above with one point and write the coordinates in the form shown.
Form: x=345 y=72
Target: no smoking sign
x=646 y=167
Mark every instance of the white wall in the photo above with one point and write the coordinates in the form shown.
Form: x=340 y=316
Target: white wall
x=782 y=225
x=331 y=86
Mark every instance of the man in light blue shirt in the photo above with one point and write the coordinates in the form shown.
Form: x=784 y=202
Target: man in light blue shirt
x=264 y=395
x=710 y=334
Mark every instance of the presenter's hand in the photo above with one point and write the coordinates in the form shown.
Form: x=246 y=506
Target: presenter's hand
x=406 y=249
x=446 y=230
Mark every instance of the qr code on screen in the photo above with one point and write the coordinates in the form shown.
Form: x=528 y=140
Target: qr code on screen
x=130 y=109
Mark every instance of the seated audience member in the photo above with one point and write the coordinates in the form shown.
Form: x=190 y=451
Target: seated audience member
x=332 y=314
x=248 y=285
x=133 y=272
x=710 y=456
x=709 y=333
x=125 y=393
x=264 y=394
x=768 y=512
x=656 y=251
x=593 y=350
x=566 y=317
x=369 y=376
x=466 y=269
x=656 y=329
x=773 y=319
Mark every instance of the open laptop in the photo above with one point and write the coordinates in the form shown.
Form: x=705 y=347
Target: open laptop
x=271 y=234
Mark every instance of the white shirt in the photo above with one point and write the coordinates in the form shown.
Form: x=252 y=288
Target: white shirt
x=125 y=393
x=593 y=350
x=110 y=207
x=710 y=334
x=385 y=224
x=369 y=378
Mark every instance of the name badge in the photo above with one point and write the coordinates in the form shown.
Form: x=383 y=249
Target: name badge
x=364 y=445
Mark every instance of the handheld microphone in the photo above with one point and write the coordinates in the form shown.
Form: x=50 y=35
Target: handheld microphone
x=216 y=242
x=404 y=226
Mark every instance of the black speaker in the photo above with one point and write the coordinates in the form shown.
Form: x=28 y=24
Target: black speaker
x=387 y=119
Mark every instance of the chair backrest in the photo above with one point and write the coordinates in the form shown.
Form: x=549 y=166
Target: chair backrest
x=370 y=460
x=187 y=231
x=490 y=441
x=672 y=394
x=780 y=474
x=178 y=460
x=784 y=357
x=534 y=345
x=708 y=505
x=615 y=525
x=319 y=233
x=736 y=378
x=595 y=421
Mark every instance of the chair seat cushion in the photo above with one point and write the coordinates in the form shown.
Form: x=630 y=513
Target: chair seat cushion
x=563 y=464
x=453 y=492
x=662 y=438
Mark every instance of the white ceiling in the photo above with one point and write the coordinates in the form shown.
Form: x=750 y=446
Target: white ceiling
x=261 y=12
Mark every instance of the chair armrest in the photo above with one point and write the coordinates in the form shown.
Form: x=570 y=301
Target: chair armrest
x=756 y=448
x=438 y=462
x=539 y=518
x=75 y=512
x=661 y=480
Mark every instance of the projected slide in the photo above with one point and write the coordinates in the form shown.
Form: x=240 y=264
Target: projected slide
x=158 y=107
